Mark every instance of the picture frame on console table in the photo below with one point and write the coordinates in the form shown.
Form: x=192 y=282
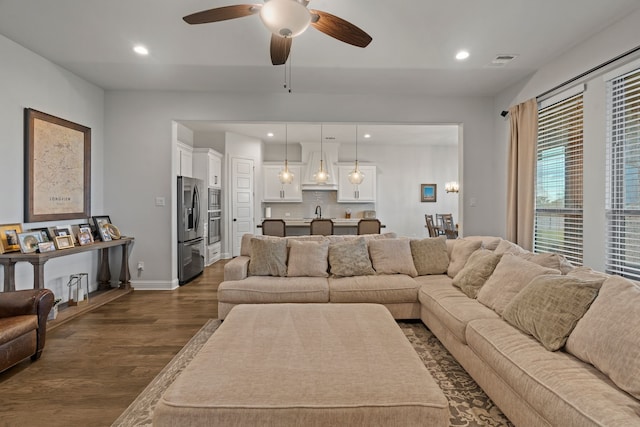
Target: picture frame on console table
x=428 y=192
x=57 y=168
x=64 y=242
x=100 y=221
x=9 y=238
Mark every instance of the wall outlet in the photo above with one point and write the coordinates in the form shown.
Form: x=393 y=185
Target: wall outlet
x=287 y=214
x=141 y=265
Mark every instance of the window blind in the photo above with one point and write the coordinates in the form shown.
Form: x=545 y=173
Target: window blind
x=623 y=175
x=558 y=224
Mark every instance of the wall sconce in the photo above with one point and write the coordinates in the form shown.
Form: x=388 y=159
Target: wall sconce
x=451 y=187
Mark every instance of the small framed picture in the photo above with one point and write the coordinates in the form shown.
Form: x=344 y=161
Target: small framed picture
x=64 y=242
x=84 y=238
x=48 y=246
x=100 y=222
x=104 y=234
x=428 y=192
x=65 y=230
x=9 y=237
x=44 y=234
x=29 y=241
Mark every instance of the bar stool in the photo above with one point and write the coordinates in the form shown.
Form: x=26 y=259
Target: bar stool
x=75 y=280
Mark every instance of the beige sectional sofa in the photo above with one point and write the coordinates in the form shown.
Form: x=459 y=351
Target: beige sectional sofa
x=552 y=345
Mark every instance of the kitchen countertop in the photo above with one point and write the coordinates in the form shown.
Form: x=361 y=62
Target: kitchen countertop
x=337 y=222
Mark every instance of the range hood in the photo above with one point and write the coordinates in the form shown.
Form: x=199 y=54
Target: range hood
x=311 y=153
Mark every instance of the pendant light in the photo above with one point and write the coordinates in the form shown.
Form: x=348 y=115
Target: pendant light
x=356 y=176
x=321 y=176
x=285 y=176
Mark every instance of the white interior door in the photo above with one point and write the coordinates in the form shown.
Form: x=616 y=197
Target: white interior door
x=242 y=200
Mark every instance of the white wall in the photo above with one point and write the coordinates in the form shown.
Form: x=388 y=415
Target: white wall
x=614 y=41
x=29 y=81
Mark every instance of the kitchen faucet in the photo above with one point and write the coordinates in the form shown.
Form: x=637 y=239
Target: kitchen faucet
x=318 y=212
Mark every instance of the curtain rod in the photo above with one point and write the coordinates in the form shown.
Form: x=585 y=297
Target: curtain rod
x=586 y=73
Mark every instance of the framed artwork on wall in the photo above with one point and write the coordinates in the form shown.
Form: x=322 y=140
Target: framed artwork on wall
x=428 y=192
x=57 y=177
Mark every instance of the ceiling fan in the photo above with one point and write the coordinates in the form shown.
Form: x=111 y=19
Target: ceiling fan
x=286 y=19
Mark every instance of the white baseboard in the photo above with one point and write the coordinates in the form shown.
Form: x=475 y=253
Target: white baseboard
x=154 y=285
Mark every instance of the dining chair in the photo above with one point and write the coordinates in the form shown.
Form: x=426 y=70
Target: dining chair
x=448 y=226
x=431 y=226
x=274 y=227
x=368 y=226
x=323 y=227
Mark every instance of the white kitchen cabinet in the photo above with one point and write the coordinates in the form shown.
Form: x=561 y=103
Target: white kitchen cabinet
x=185 y=160
x=274 y=191
x=213 y=253
x=207 y=166
x=363 y=193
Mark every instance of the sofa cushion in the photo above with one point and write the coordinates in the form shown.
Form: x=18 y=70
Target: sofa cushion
x=557 y=261
x=462 y=250
x=261 y=290
x=476 y=271
x=612 y=325
x=555 y=384
x=268 y=257
x=308 y=258
x=392 y=256
x=550 y=306
x=588 y=273
x=430 y=255
x=350 y=258
x=452 y=308
x=380 y=289
x=511 y=275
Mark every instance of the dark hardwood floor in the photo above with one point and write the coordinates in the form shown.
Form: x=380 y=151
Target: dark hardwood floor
x=95 y=365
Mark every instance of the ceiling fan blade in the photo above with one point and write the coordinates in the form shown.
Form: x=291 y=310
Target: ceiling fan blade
x=222 y=13
x=280 y=48
x=339 y=29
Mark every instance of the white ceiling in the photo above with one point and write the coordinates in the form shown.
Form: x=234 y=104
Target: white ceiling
x=413 y=48
x=412 y=52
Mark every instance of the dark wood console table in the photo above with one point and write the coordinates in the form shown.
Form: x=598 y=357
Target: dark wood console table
x=38 y=260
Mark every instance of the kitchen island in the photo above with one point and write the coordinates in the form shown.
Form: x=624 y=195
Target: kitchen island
x=300 y=226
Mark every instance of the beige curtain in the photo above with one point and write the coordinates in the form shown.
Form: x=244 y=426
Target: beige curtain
x=521 y=175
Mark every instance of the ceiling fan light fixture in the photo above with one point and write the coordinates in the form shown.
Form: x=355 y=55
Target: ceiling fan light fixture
x=285 y=18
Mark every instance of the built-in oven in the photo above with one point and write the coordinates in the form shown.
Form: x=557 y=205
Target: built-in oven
x=214 y=213
x=215 y=227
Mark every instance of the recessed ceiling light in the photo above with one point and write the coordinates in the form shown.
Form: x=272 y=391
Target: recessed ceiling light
x=367 y=135
x=141 y=50
x=463 y=54
x=270 y=134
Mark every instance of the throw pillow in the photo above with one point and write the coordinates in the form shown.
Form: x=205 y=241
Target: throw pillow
x=268 y=257
x=507 y=247
x=608 y=334
x=462 y=250
x=430 y=255
x=476 y=271
x=511 y=275
x=488 y=242
x=557 y=261
x=308 y=258
x=588 y=273
x=550 y=306
x=392 y=256
x=350 y=258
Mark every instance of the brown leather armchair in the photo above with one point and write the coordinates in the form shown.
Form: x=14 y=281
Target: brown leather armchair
x=23 y=324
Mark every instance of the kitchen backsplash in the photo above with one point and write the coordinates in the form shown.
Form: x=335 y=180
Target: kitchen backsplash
x=327 y=200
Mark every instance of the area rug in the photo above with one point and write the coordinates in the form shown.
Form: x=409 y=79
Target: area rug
x=468 y=404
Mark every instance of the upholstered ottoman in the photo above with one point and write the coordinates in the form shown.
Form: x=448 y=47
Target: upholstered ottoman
x=305 y=364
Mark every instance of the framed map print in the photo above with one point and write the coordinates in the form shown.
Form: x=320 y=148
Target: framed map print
x=57 y=168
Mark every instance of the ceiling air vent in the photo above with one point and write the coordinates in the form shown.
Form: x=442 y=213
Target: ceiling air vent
x=502 y=59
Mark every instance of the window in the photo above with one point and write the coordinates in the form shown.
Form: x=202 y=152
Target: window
x=623 y=175
x=559 y=166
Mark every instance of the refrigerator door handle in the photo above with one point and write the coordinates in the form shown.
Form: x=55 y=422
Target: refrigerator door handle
x=196 y=206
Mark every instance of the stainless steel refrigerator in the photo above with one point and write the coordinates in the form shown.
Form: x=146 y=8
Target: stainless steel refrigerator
x=190 y=229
